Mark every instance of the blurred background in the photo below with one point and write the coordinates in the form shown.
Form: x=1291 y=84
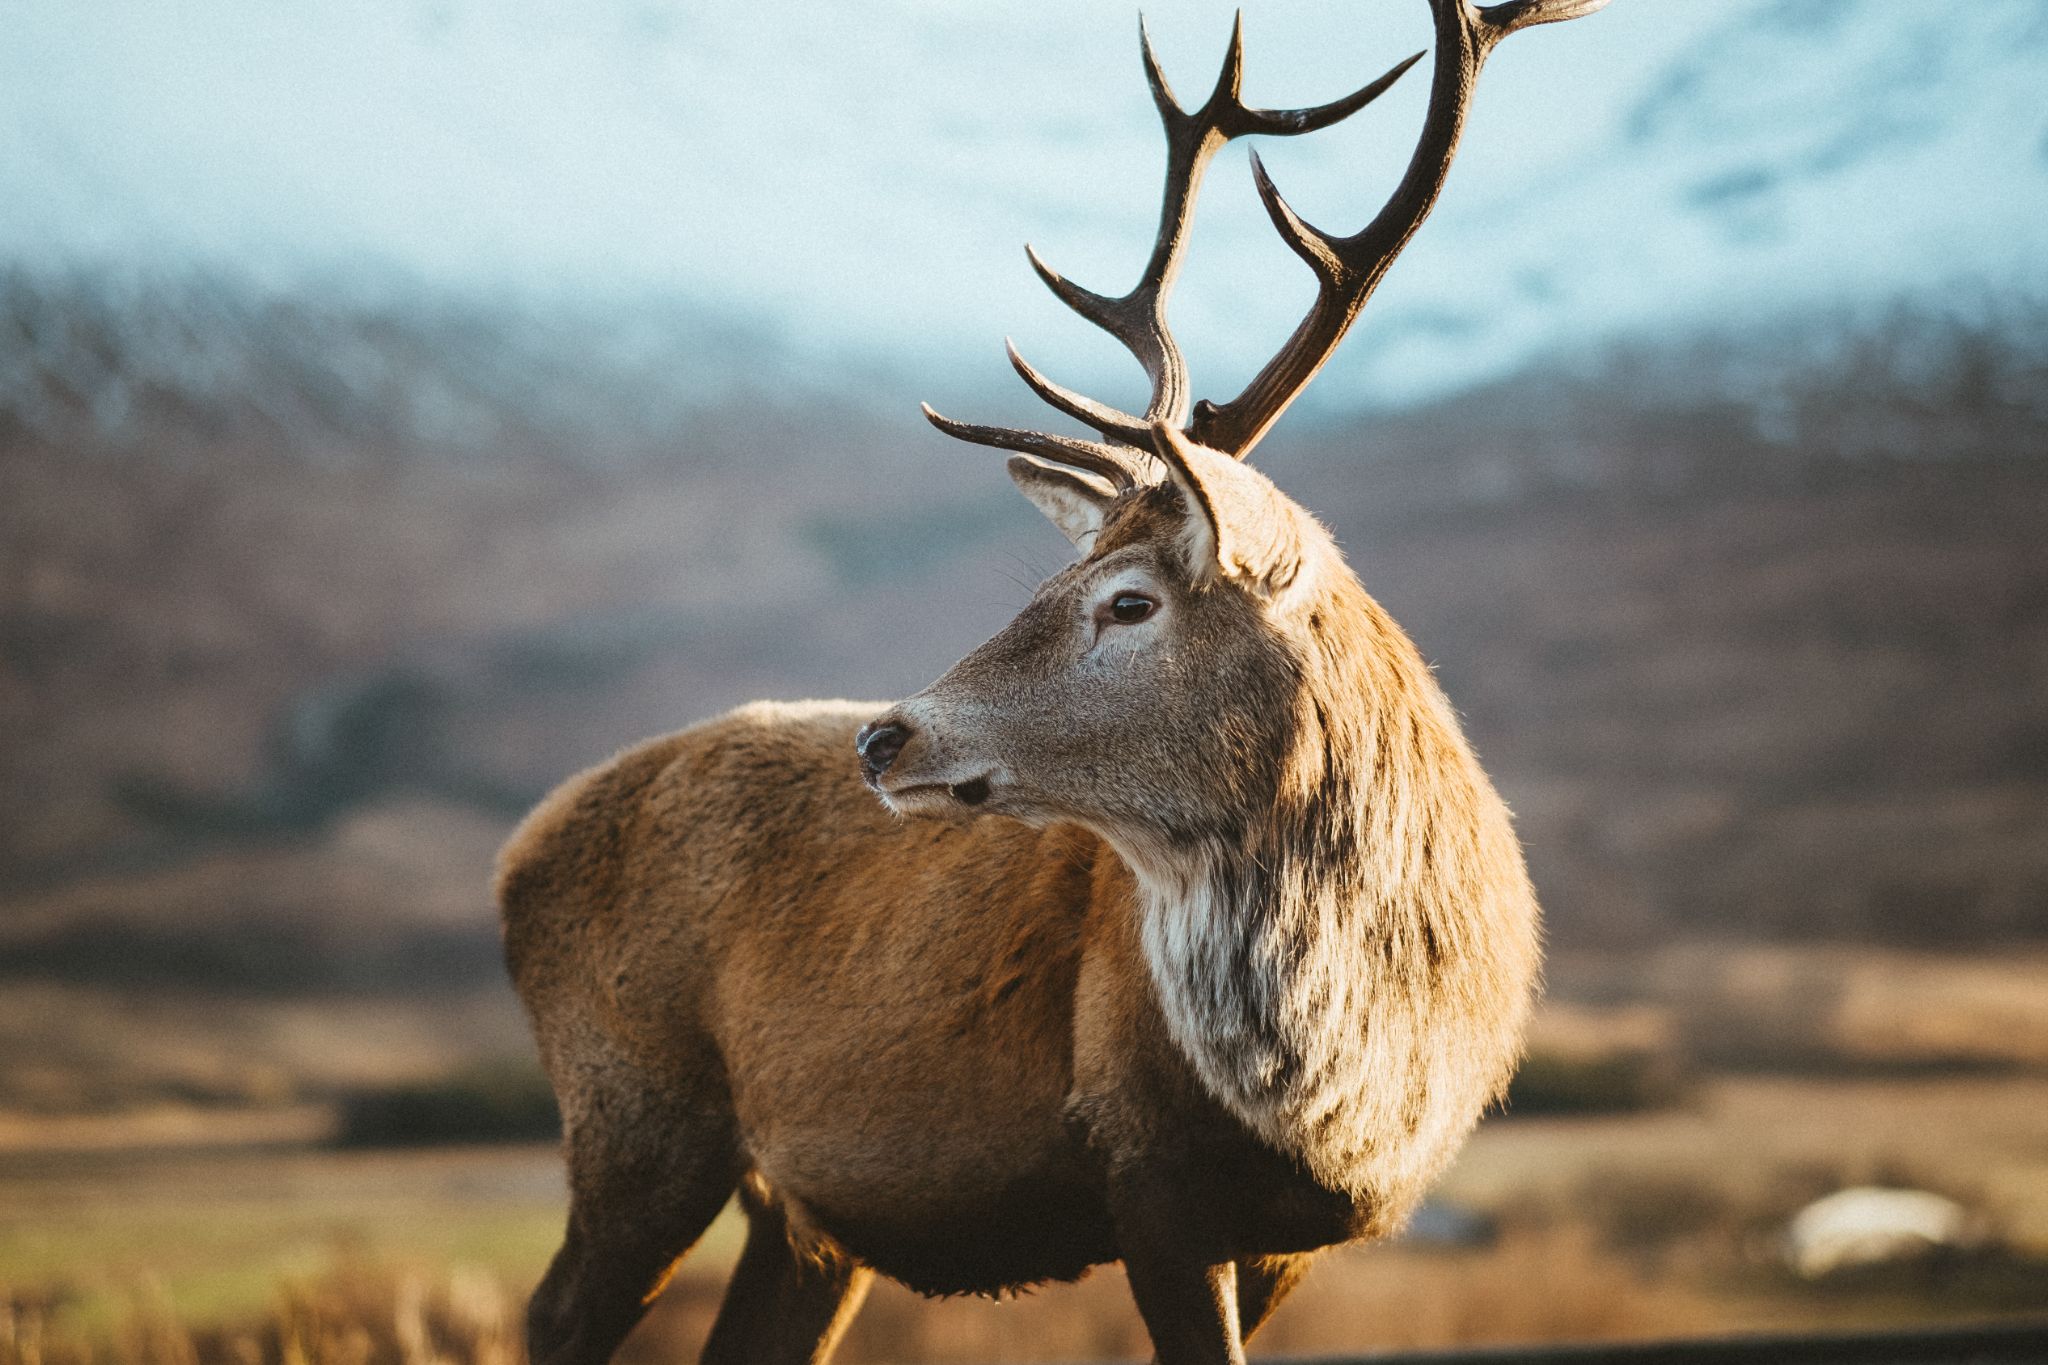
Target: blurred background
x=403 y=405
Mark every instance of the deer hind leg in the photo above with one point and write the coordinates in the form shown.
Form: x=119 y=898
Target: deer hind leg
x=785 y=1305
x=650 y=1165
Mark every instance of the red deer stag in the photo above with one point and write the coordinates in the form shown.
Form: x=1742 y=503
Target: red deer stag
x=1243 y=954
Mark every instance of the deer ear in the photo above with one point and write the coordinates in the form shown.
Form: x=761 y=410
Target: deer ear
x=1074 y=501
x=1239 y=526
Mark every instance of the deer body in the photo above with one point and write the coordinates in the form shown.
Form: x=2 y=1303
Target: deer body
x=947 y=1048
x=1177 y=924
x=857 y=1032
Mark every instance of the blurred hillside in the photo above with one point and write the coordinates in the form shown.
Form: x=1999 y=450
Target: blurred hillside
x=1748 y=659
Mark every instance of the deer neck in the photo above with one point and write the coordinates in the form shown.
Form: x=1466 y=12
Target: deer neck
x=1349 y=977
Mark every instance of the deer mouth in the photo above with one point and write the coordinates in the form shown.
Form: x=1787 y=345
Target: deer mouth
x=931 y=797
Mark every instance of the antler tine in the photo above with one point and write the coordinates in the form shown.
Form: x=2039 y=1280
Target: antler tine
x=1105 y=419
x=1348 y=269
x=1518 y=14
x=1138 y=319
x=1289 y=122
x=1115 y=463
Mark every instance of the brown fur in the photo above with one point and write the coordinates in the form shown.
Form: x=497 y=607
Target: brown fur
x=1218 y=974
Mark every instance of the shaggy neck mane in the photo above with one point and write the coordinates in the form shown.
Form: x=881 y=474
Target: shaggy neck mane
x=1349 y=976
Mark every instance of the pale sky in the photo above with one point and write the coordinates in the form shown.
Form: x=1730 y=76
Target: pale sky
x=859 y=179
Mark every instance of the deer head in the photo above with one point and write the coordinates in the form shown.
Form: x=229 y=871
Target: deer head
x=1210 y=651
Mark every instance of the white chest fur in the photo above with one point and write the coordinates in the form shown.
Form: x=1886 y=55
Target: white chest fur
x=1294 y=1019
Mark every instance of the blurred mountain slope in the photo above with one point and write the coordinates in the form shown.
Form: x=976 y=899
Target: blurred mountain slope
x=1742 y=670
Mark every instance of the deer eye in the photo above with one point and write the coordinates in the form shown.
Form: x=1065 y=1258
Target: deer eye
x=1128 y=608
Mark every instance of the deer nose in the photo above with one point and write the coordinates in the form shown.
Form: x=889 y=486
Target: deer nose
x=878 y=743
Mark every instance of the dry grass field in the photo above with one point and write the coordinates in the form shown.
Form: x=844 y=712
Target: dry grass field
x=239 y=1237
x=1617 y=1227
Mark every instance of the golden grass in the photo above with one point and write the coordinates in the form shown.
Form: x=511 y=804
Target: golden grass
x=213 y=1233
x=1537 y=1285
x=353 y=1315
x=1983 y=1136
x=1647 y=1223
x=1541 y=1286
x=1638 y=1225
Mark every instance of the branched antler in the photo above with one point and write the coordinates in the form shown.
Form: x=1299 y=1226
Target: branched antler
x=1347 y=268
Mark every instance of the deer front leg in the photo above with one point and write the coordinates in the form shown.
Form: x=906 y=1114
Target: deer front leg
x=1188 y=1299
x=1190 y=1310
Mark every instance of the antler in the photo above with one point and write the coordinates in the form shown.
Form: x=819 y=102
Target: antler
x=1138 y=319
x=1347 y=268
